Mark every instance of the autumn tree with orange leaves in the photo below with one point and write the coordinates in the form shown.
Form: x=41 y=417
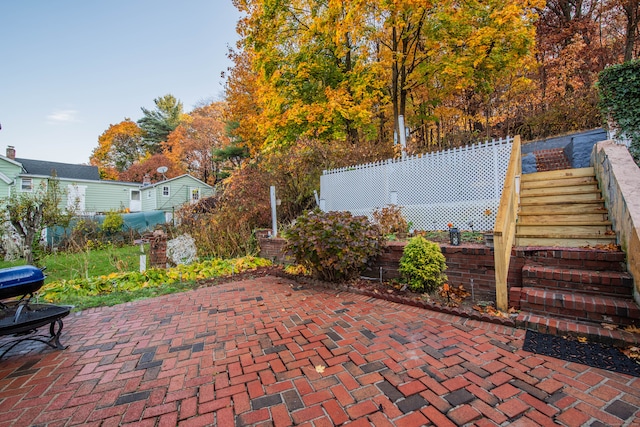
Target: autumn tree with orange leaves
x=192 y=144
x=119 y=147
x=575 y=41
x=148 y=168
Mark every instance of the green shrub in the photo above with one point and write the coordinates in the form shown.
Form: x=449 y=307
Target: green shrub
x=113 y=223
x=334 y=246
x=422 y=265
x=619 y=90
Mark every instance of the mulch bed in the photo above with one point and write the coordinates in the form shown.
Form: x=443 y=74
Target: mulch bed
x=590 y=354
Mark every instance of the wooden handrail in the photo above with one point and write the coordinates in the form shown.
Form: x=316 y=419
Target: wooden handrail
x=505 y=227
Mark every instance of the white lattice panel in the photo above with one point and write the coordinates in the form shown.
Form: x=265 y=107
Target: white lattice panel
x=458 y=186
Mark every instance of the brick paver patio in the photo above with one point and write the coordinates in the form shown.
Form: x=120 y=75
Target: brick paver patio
x=269 y=352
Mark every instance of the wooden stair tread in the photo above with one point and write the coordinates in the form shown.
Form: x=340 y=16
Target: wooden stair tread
x=567 y=220
x=595 y=211
x=562 y=243
x=558 y=174
x=564 y=229
x=567 y=223
x=555 y=185
x=546 y=183
x=558 y=191
x=569 y=236
x=559 y=202
x=562 y=209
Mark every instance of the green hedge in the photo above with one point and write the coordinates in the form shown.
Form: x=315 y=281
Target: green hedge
x=619 y=89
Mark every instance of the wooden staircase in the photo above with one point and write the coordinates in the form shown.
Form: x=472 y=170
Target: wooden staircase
x=574 y=278
x=562 y=208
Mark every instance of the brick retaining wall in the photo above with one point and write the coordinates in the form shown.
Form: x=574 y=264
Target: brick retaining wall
x=464 y=262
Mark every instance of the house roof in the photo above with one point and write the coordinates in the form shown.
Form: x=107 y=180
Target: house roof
x=62 y=170
x=175 y=178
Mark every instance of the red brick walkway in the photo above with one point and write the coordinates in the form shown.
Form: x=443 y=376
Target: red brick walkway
x=264 y=352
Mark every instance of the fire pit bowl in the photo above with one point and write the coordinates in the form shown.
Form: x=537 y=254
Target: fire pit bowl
x=22 y=318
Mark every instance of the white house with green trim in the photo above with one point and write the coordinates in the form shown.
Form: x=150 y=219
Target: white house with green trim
x=90 y=195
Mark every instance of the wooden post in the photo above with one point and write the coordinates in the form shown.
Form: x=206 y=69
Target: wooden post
x=505 y=226
x=274 y=219
x=143 y=259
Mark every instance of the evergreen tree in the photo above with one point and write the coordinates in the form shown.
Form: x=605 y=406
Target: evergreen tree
x=157 y=124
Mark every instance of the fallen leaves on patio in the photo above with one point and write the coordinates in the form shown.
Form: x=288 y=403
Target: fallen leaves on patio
x=320 y=369
x=609 y=326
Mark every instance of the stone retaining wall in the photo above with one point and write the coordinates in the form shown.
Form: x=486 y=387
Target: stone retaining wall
x=619 y=179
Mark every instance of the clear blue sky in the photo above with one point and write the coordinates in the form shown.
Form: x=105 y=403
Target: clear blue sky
x=71 y=68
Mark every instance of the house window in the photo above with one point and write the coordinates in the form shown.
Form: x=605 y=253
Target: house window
x=76 y=197
x=165 y=191
x=27 y=184
x=195 y=195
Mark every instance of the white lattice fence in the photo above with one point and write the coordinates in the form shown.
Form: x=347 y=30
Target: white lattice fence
x=461 y=186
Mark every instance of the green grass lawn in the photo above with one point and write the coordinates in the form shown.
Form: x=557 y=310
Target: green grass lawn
x=84 y=286
x=94 y=262
x=83 y=302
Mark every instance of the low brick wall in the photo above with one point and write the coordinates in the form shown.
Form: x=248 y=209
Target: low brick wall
x=470 y=265
x=272 y=249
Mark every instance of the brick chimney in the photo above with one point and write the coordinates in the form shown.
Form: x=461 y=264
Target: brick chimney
x=11 y=152
x=146 y=180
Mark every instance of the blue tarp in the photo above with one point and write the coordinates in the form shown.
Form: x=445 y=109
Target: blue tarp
x=138 y=221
